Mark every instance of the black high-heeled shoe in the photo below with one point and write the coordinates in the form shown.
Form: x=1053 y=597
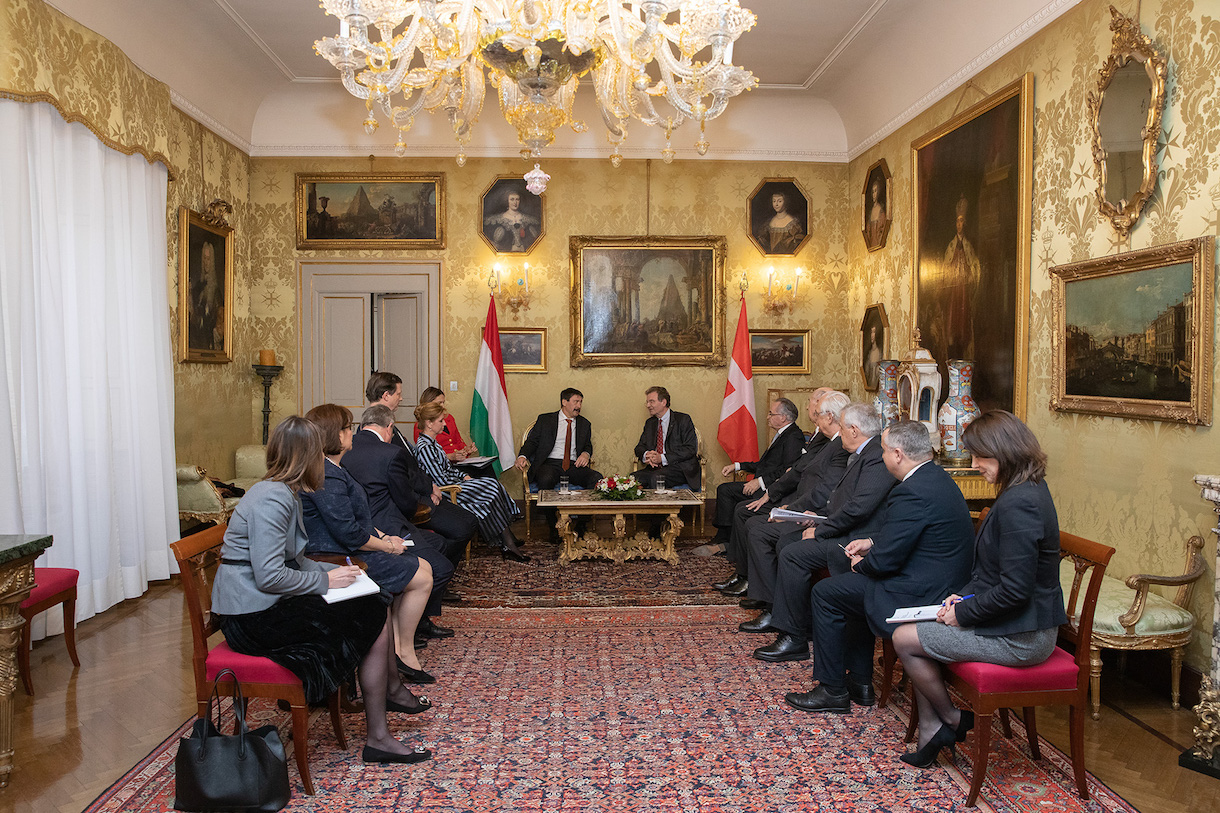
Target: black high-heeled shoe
x=413 y=675
x=925 y=757
x=964 y=725
x=513 y=555
x=422 y=704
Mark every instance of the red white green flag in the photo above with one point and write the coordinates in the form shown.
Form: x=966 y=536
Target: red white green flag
x=491 y=428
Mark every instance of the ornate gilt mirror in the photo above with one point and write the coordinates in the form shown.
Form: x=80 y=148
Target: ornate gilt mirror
x=1125 y=113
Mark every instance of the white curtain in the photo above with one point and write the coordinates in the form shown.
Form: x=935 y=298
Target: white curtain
x=87 y=389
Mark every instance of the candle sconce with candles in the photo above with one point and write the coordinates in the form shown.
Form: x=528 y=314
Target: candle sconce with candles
x=780 y=296
x=516 y=294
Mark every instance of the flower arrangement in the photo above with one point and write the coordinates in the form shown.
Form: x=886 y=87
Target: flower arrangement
x=619 y=487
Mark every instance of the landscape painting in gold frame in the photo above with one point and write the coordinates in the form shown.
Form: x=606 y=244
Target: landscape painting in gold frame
x=786 y=352
x=349 y=210
x=523 y=349
x=1133 y=333
x=205 y=289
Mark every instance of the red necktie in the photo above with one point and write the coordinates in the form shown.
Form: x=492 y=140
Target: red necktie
x=660 y=439
x=567 y=446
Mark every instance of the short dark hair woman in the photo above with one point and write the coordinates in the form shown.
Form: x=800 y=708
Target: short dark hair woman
x=268 y=597
x=1010 y=611
x=338 y=520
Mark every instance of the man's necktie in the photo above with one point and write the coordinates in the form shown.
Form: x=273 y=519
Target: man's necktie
x=660 y=439
x=567 y=446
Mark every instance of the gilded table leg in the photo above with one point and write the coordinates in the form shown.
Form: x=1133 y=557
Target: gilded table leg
x=15 y=584
x=564 y=528
x=668 y=535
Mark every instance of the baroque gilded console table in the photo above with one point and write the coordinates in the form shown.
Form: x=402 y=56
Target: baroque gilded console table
x=17 y=555
x=618 y=548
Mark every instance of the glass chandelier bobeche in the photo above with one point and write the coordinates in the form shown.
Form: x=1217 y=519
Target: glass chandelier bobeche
x=431 y=54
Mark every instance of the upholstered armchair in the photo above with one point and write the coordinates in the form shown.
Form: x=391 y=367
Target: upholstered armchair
x=199 y=500
x=250 y=464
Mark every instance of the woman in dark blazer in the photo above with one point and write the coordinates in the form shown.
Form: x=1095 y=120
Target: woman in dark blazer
x=267 y=597
x=1010 y=611
x=338 y=521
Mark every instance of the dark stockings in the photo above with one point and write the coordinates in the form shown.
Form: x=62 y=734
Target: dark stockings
x=931 y=693
x=378 y=681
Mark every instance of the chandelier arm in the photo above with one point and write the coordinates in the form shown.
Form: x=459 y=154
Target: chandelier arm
x=353 y=87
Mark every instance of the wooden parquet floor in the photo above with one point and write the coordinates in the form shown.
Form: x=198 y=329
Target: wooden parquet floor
x=86 y=727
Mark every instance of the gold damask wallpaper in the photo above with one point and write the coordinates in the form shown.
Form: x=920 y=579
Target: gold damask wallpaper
x=1127 y=483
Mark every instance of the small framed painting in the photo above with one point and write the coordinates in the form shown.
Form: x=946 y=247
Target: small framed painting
x=378 y=211
x=874 y=335
x=780 y=351
x=878 y=196
x=523 y=349
x=205 y=289
x=778 y=211
x=511 y=215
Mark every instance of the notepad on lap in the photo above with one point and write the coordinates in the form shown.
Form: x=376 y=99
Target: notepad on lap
x=475 y=461
x=905 y=614
x=784 y=515
x=362 y=586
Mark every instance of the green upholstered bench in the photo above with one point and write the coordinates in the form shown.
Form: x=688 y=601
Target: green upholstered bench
x=1131 y=617
x=199 y=500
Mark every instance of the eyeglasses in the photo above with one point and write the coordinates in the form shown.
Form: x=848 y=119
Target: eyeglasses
x=354 y=425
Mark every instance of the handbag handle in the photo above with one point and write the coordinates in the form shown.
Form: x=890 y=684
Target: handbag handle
x=239 y=713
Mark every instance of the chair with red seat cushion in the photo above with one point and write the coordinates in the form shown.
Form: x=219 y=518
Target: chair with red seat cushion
x=198 y=555
x=52 y=585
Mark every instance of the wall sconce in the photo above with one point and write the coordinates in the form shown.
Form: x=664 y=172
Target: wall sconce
x=516 y=296
x=780 y=296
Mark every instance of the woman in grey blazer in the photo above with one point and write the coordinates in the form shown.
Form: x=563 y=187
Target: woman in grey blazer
x=268 y=597
x=1010 y=611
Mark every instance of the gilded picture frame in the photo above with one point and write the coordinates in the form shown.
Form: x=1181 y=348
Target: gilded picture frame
x=777 y=217
x=351 y=210
x=1133 y=333
x=878 y=205
x=205 y=289
x=971 y=198
x=523 y=349
x=647 y=301
x=509 y=226
x=784 y=352
x=874 y=344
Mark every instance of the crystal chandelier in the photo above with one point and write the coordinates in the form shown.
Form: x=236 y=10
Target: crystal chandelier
x=659 y=62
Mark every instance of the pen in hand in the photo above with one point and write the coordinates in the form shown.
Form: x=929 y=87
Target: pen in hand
x=349 y=562
x=948 y=603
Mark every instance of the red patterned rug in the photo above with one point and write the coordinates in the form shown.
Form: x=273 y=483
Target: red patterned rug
x=633 y=709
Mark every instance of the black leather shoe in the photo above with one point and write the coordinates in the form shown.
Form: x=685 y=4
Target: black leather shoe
x=861 y=694
x=420 y=641
x=428 y=629
x=753 y=604
x=725 y=585
x=513 y=556
x=760 y=624
x=925 y=757
x=449 y=596
x=422 y=704
x=413 y=675
x=821 y=699
x=785 y=648
x=371 y=754
x=736 y=591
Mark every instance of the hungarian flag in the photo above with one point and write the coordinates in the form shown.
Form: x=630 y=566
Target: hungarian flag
x=738 y=433
x=491 y=429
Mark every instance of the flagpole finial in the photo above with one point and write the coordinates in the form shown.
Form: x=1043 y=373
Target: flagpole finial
x=743 y=284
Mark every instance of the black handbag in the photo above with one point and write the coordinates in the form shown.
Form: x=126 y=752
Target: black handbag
x=247 y=771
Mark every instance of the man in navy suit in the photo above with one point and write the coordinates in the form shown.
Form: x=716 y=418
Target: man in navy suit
x=560 y=443
x=923 y=552
x=668 y=446
x=783 y=575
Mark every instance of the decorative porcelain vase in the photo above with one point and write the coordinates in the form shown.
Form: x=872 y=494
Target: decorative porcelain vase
x=886 y=401
x=957 y=412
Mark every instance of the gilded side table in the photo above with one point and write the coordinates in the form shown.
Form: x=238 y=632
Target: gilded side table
x=17 y=555
x=618 y=548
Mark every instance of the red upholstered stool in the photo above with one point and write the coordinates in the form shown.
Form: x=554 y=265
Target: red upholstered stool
x=52 y=585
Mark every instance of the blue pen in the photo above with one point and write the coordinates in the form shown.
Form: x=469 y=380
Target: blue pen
x=349 y=564
x=963 y=598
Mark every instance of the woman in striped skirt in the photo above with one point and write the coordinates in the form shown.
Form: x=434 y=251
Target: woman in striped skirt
x=482 y=496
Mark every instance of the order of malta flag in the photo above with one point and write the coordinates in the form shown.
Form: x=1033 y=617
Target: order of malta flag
x=738 y=432
x=491 y=429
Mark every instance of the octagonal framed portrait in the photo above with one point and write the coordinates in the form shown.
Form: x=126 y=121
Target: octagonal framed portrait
x=778 y=217
x=511 y=218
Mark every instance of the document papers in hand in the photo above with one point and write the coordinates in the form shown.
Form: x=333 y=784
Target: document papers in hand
x=362 y=586
x=904 y=614
x=784 y=515
x=475 y=461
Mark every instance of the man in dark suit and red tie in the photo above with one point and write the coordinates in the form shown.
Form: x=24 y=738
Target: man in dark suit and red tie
x=560 y=443
x=668 y=447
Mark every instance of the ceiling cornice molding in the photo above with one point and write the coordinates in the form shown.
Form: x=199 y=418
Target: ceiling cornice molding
x=855 y=31
x=255 y=38
x=212 y=124
x=387 y=151
x=1027 y=29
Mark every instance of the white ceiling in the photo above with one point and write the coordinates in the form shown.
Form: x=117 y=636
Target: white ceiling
x=835 y=76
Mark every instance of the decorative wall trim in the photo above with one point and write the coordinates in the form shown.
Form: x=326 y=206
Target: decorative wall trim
x=510 y=151
x=180 y=102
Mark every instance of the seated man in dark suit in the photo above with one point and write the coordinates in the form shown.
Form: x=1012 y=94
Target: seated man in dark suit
x=779 y=455
x=668 y=447
x=855 y=509
x=812 y=490
x=385 y=471
x=560 y=443
x=923 y=552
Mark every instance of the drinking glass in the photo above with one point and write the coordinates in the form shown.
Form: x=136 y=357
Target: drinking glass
x=564 y=485
x=660 y=485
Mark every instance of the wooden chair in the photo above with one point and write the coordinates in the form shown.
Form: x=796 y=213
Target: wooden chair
x=198 y=556
x=52 y=585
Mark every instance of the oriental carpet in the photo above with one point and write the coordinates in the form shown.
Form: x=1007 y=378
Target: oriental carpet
x=632 y=709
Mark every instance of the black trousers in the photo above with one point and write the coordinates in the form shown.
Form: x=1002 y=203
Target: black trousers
x=455 y=525
x=842 y=642
x=672 y=474
x=735 y=547
x=434 y=549
x=798 y=567
x=546 y=475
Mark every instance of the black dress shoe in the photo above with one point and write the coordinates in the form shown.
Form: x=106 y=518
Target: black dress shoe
x=964 y=725
x=422 y=704
x=413 y=675
x=861 y=694
x=371 y=754
x=820 y=699
x=736 y=591
x=725 y=585
x=420 y=641
x=753 y=604
x=428 y=629
x=450 y=596
x=785 y=648
x=513 y=555
x=760 y=624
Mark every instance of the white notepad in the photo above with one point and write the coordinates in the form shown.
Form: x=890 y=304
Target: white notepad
x=784 y=515
x=362 y=586
x=905 y=614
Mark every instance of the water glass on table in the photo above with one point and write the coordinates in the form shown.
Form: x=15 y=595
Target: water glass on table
x=659 y=485
x=564 y=486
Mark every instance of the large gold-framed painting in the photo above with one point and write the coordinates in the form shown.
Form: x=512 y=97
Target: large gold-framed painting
x=351 y=210
x=205 y=289
x=647 y=301
x=973 y=179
